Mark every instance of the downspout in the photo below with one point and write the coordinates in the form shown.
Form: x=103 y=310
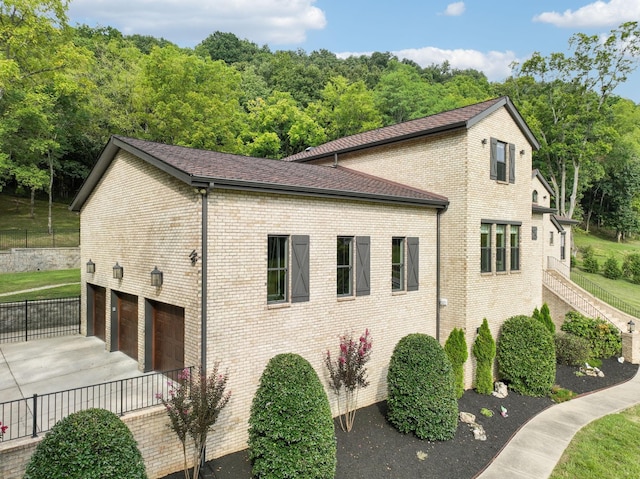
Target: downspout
x=204 y=238
x=440 y=211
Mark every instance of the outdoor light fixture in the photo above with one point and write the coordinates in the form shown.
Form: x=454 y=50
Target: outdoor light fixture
x=193 y=256
x=632 y=326
x=156 y=277
x=91 y=267
x=521 y=152
x=484 y=141
x=118 y=271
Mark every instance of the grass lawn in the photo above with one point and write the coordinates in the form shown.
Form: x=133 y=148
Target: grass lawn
x=606 y=448
x=16 y=215
x=20 y=281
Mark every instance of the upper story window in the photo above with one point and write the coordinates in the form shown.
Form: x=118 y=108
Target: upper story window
x=534 y=196
x=353 y=266
x=499 y=246
x=287 y=268
x=503 y=161
x=397 y=264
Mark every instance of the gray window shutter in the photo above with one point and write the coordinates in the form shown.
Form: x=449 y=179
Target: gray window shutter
x=299 y=268
x=493 y=174
x=512 y=163
x=413 y=264
x=363 y=268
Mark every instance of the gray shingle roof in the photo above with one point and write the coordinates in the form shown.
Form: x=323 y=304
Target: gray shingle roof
x=463 y=117
x=229 y=171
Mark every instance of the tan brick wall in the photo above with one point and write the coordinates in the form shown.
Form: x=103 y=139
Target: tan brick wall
x=142 y=218
x=245 y=332
x=456 y=165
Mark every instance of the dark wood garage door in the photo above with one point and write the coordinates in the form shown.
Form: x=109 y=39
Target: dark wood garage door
x=128 y=324
x=99 y=311
x=168 y=337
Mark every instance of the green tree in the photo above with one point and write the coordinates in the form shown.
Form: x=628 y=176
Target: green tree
x=456 y=349
x=402 y=94
x=567 y=99
x=484 y=350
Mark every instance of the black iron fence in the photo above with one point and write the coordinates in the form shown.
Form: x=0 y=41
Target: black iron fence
x=25 y=320
x=39 y=239
x=603 y=294
x=39 y=413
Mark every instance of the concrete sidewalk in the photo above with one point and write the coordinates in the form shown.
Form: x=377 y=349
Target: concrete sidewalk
x=537 y=447
x=54 y=364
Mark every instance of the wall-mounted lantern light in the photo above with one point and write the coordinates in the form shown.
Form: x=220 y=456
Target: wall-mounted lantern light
x=91 y=267
x=484 y=141
x=631 y=326
x=118 y=271
x=521 y=152
x=156 y=277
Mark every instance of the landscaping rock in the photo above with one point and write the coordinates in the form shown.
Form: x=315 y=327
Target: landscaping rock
x=467 y=417
x=500 y=390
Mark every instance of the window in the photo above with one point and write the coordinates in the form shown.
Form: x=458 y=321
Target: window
x=534 y=233
x=345 y=266
x=563 y=249
x=352 y=250
x=485 y=248
x=534 y=196
x=514 y=243
x=502 y=160
x=397 y=264
x=277 y=270
x=501 y=248
x=551 y=238
x=279 y=274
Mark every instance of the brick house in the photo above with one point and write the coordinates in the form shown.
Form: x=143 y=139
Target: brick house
x=253 y=257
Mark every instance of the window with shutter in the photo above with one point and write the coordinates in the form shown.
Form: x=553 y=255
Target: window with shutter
x=363 y=271
x=299 y=268
x=413 y=264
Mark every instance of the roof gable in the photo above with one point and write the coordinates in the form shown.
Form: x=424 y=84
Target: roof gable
x=203 y=168
x=460 y=118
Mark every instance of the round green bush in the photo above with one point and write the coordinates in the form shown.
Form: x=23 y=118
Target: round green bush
x=91 y=444
x=484 y=349
x=572 y=350
x=604 y=338
x=526 y=356
x=611 y=268
x=421 y=389
x=291 y=433
x=456 y=349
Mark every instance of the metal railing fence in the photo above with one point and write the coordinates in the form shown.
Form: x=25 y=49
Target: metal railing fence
x=39 y=238
x=39 y=413
x=33 y=319
x=604 y=295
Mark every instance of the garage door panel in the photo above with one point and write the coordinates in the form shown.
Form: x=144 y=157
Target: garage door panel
x=128 y=325
x=168 y=337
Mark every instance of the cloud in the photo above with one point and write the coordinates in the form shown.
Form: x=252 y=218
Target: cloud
x=188 y=22
x=596 y=14
x=495 y=65
x=454 y=9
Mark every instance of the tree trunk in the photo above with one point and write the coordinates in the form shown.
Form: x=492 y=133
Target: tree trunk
x=33 y=203
x=49 y=219
x=574 y=189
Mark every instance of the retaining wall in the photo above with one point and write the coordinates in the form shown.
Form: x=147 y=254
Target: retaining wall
x=21 y=260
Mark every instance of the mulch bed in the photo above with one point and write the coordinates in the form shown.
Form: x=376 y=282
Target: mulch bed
x=375 y=450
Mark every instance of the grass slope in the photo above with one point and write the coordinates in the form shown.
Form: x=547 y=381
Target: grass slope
x=16 y=215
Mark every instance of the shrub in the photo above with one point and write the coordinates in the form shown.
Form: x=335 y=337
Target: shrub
x=421 y=389
x=456 y=349
x=484 y=350
x=631 y=267
x=544 y=316
x=291 y=430
x=349 y=373
x=603 y=337
x=526 y=356
x=611 y=269
x=572 y=350
x=93 y=443
x=589 y=262
x=193 y=406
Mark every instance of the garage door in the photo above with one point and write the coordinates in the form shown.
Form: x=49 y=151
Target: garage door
x=99 y=311
x=128 y=324
x=168 y=337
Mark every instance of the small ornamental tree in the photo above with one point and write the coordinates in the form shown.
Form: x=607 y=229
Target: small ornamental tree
x=348 y=373
x=193 y=406
x=544 y=316
x=421 y=389
x=484 y=350
x=93 y=443
x=291 y=432
x=456 y=349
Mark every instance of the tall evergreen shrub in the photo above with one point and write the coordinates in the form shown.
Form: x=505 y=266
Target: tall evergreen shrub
x=484 y=350
x=421 y=389
x=544 y=316
x=456 y=349
x=291 y=432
